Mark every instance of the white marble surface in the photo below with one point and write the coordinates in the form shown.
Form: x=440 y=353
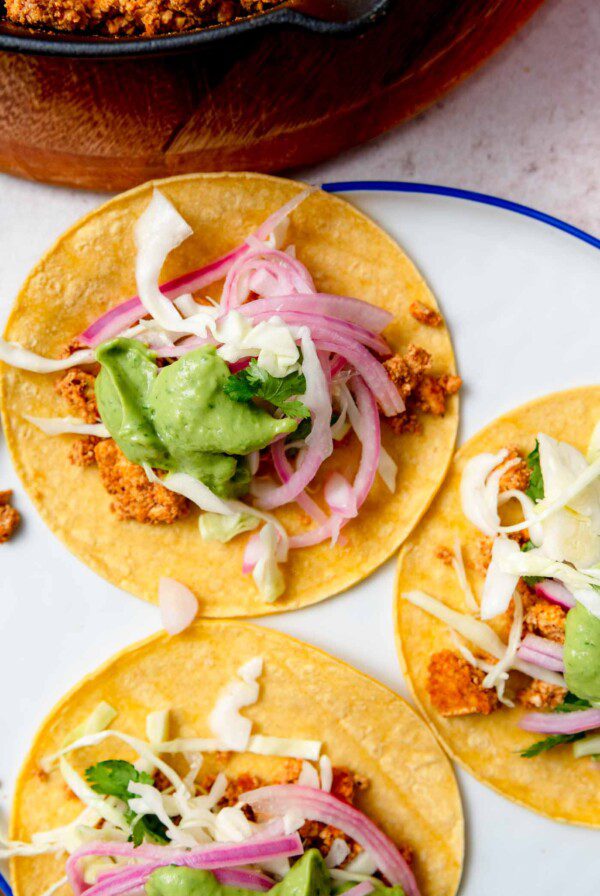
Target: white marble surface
x=526 y=126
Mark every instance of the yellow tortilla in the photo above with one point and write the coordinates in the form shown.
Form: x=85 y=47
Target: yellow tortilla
x=91 y=268
x=412 y=793
x=555 y=783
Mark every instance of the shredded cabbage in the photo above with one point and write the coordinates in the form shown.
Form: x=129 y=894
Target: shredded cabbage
x=326 y=773
x=17 y=356
x=225 y=720
x=478 y=633
x=201 y=495
x=292 y=747
x=514 y=639
x=499 y=585
x=269 y=578
x=338 y=853
x=216 y=527
x=572 y=533
x=56 y=426
x=480 y=499
x=106 y=807
x=458 y=565
x=309 y=776
x=589 y=746
x=99 y=719
x=387 y=469
x=271 y=342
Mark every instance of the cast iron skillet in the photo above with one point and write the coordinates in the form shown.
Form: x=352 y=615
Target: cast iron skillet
x=332 y=17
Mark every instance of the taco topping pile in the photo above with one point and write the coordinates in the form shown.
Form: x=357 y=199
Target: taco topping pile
x=534 y=639
x=160 y=826
x=241 y=398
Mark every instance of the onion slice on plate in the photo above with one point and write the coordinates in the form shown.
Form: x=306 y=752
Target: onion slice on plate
x=178 y=606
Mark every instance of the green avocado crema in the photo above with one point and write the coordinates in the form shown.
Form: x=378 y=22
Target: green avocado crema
x=308 y=877
x=178 y=418
x=582 y=654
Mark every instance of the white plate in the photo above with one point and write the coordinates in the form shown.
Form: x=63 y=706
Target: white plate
x=522 y=303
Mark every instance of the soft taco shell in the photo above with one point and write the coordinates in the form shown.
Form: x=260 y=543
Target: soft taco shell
x=553 y=784
x=412 y=791
x=91 y=268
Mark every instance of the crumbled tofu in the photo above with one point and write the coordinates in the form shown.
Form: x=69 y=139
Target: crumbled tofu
x=135 y=498
x=455 y=686
x=9 y=516
x=425 y=314
x=77 y=388
x=540 y=695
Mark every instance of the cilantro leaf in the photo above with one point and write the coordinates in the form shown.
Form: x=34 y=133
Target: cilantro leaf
x=530 y=580
x=302 y=431
x=572 y=703
x=536 y=481
x=112 y=778
x=548 y=743
x=147 y=827
x=254 y=382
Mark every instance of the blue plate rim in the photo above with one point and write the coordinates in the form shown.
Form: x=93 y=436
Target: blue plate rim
x=401 y=186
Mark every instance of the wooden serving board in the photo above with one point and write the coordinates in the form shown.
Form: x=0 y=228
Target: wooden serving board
x=271 y=100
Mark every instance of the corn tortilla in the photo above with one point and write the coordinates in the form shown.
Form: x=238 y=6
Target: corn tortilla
x=91 y=268
x=554 y=784
x=412 y=793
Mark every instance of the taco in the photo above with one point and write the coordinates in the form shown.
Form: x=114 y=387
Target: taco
x=498 y=606
x=258 y=388
x=228 y=761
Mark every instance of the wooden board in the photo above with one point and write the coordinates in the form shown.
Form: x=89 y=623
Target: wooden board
x=269 y=101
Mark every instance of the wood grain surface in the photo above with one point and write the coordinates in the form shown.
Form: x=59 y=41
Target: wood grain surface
x=268 y=101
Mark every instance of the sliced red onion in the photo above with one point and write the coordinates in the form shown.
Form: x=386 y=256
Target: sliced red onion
x=285 y=472
x=178 y=606
x=210 y=857
x=555 y=592
x=369 y=368
x=355 y=311
x=267 y=272
x=321 y=326
x=316 y=805
x=542 y=652
x=561 y=722
x=319 y=443
x=129 y=312
x=368 y=431
x=340 y=496
x=364 y=418
x=337 y=365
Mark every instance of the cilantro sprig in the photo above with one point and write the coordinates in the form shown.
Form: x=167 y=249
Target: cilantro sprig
x=112 y=778
x=571 y=703
x=536 y=481
x=255 y=382
x=548 y=743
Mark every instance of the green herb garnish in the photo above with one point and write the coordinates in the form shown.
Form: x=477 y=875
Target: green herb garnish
x=254 y=382
x=555 y=740
x=112 y=778
x=536 y=482
x=572 y=703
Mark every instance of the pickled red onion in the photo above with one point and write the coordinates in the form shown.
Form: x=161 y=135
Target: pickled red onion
x=561 y=723
x=355 y=311
x=129 y=312
x=316 y=805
